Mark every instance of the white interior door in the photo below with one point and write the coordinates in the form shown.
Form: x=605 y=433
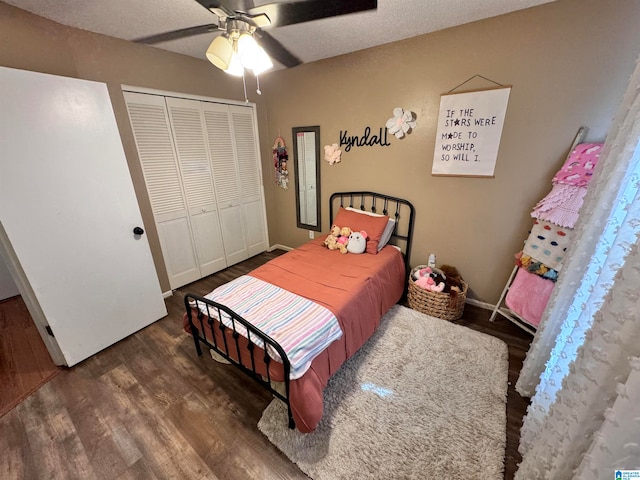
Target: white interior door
x=68 y=208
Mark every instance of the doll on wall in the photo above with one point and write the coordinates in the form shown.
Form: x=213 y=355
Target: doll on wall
x=280 y=159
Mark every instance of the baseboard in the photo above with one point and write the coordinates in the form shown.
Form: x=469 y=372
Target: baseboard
x=167 y=294
x=480 y=303
x=277 y=246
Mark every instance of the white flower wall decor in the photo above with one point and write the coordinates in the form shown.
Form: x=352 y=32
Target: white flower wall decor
x=332 y=153
x=402 y=122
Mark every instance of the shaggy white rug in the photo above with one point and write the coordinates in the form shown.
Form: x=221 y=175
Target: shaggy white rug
x=422 y=399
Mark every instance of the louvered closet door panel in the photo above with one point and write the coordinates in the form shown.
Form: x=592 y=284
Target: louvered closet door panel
x=193 y=158
x=226 y=180
x=152 y=132
x=225 y=175
x=177 y=251
x=206 y=231
x=246 y=149
x=231 y=221
x=250 y=174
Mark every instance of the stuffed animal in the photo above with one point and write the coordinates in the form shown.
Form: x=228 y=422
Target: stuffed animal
x=432 y=279
x=434 y=273
x=454 y=283
x=357 y=242
x=343 y=239
x=428 y=283
x=423 y=272
x=452 y=277
x=331 y=242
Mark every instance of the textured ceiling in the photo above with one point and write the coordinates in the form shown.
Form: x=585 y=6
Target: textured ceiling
x=393 y=20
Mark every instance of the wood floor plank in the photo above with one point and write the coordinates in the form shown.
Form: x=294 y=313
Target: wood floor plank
x=166 y=451
x=58 y=450
x=138 y=471
x=15 y=451
x=25 y=363
x=97 y=433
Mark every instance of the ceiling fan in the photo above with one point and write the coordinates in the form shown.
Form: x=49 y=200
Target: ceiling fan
x=241 y=18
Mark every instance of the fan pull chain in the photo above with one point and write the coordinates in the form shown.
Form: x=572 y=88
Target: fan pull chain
x=258 y=83
x=244 y=84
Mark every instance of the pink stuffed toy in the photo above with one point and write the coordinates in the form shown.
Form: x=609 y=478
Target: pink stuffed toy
x=423 y=272
x=429 y=283
x=343 y=239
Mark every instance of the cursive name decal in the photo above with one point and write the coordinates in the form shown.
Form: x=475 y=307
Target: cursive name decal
x=365 y=140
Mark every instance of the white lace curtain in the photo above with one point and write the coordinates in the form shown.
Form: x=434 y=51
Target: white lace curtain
x=583 y=367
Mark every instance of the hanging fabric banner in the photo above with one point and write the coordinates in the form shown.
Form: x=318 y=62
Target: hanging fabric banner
x=469 y=131
x=280 y=159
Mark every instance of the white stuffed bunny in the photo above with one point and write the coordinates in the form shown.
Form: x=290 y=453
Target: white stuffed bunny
x=357 y=242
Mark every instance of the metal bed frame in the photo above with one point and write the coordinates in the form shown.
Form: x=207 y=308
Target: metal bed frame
x=231 y=348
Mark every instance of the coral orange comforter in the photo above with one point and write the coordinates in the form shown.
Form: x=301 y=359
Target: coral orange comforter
x=358 y=289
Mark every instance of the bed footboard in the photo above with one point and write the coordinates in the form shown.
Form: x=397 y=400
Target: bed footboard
x=243 y=350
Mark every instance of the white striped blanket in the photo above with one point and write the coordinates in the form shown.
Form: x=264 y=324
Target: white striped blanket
x=301 y=327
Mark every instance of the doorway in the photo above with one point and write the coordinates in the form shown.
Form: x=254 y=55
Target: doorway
x=25 y=363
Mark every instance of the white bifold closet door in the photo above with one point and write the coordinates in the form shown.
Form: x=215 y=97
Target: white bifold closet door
x=237 y=178
x=152 y=130
x=195 y=169
x=173 y=152
x=226 y=180
x=202 y=169
x=248 y=169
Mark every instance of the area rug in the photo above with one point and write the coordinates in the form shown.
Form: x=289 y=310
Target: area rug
x=422 y=399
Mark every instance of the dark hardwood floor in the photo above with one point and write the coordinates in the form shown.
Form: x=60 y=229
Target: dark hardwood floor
x=25 y=363
x=518 y=342
x=149 y=408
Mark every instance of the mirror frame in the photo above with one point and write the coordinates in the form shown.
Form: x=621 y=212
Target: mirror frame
x=296 y=160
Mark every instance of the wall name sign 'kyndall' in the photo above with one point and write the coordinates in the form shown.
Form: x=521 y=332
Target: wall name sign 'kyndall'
x=364 y=140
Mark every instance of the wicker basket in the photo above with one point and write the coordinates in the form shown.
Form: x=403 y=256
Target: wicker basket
x=436 y=304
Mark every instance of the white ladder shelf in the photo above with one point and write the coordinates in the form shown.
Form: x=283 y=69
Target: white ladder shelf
x=509 y=314
x=500 y=307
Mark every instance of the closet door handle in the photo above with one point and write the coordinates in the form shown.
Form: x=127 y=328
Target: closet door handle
x=138 y=231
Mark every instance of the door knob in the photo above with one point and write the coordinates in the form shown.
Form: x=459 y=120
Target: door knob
x=138 y=231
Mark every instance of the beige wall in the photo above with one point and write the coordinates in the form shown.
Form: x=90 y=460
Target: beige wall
x=33 y=43
x=569 y=64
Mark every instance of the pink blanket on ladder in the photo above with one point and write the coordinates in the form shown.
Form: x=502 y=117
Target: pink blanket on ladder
x=528 y=296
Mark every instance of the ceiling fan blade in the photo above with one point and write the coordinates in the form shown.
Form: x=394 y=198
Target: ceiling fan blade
x=177 y=34
x=276 y=50
x=236 y=9
x=217 y=6
x=229 y=7
x=301 y=11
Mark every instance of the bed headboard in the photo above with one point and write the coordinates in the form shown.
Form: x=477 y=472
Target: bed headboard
x=400 y=209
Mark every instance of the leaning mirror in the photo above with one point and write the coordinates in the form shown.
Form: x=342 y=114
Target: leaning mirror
x=306 y=157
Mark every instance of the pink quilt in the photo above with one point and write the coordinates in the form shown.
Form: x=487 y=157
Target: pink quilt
x=528 y=296
x=579 y=166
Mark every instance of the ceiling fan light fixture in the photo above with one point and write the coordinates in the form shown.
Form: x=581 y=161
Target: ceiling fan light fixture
x=235 y=66
x=252 y=55
x=262 y=62
x=220 y=52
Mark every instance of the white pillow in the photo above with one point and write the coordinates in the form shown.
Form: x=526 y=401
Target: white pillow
x=388 y=230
